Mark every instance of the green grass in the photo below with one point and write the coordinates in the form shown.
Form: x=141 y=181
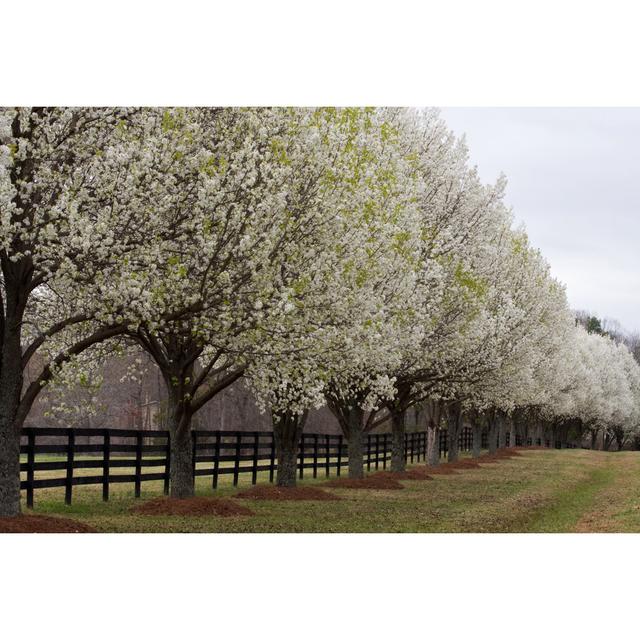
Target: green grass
x=550 y=491
x=568 y=507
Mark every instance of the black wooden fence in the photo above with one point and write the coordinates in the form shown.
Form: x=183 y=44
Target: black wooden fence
x=143 y=456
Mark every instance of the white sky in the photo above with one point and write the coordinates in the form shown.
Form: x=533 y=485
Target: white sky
x=574 y=180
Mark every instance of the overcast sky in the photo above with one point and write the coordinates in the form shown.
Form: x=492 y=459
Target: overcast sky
x=574 y=180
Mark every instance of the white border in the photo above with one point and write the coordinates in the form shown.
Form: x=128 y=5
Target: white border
x=459 y=52
x=334 y=52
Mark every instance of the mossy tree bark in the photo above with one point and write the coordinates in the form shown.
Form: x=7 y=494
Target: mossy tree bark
x=454 y=425
x=287 y=430
x=513 y=431
x=398 y=464
x=181 y=461
x=350 y=417
x=502 y=429
x=16 y=279
x=433 y=414
x=493 y=420
x=398 y=411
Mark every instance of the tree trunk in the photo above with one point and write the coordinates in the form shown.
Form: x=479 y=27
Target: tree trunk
x=620 y=438
x=287 y=429
x=182 y=485
x=356 y=442
x=477 y=439
x=512 y=432
x=181 y=462
x=454 y=423
x=493 y=434
x=502 y=431
x=526 y=432
x=433 y=445
x=11 y=379
x=433 y=409
x=397 y=443
x=9 y=467
x=350 y=417
x=564 y=435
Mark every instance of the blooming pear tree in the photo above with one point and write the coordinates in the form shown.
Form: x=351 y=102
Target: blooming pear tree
x=458 y=220
x=73 y=262
x=356 y=266
x=266 y=205
x=596 y=387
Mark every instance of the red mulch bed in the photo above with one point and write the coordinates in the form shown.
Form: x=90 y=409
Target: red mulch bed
x=507 y=453
x=500 y=454
x=43 y=524
x=198 y=506
x=443 y=469
x=285 y=493
x=418 y=473
x=370 y=482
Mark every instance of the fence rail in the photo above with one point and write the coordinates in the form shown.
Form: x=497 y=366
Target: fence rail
x=146 y=455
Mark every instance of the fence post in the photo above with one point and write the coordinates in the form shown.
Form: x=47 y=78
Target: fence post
x=68 y=486
x=315 y=455
x=138 y=480
x=377 y=450
x=254 y=470
x=384 y=447
x=236 y=462
x=106 y=459
x=327 y=451
x=339 y=455
x=301 y=456
x=369 y=452
x=272 y=459
x=216 y=461
x=31 y=459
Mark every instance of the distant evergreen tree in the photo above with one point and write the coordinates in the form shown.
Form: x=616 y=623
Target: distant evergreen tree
x=594 y=325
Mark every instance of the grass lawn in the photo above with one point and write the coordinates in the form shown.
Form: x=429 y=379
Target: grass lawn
x=539 y=491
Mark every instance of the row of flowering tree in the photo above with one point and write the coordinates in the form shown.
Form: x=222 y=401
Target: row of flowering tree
x=348 y=257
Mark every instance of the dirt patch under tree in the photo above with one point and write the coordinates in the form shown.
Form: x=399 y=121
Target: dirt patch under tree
x=42 y=524
x=285 y=493
x=418 y=473
x=198 y=506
